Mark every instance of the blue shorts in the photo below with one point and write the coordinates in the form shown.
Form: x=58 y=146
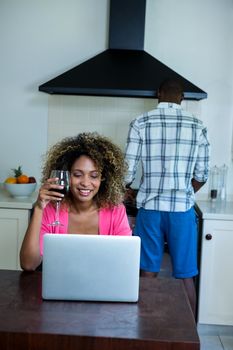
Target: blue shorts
x=179 y=230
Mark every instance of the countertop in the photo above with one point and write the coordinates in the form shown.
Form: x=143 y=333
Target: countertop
x=210 y=210
x=7 y=201
x=159 y=320
x=216 y=210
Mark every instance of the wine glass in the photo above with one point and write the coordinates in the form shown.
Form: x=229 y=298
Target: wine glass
x=63 y=179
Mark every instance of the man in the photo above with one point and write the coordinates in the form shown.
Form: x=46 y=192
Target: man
x=173 y=148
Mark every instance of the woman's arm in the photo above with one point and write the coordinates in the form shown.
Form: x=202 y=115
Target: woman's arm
x=30 y=257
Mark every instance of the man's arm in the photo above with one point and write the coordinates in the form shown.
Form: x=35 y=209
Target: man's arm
x=132 y=153
x=197 y=185
x=201 y=169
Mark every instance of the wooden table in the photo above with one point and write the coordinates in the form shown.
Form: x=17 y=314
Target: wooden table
x=162 y=319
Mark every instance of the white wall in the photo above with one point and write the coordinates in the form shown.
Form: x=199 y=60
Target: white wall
x=40 y=39
x=194 y=38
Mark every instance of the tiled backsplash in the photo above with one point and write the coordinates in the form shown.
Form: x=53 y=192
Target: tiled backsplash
x=109 y=116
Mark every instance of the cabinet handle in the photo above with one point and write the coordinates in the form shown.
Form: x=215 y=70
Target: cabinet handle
x=208 y=236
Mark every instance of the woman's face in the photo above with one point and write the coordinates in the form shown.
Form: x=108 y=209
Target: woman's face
x=85 y=179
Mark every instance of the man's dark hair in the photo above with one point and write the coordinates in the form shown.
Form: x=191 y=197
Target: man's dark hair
x=172 y=86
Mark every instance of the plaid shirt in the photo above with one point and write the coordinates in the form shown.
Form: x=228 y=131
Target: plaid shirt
x=173 y=147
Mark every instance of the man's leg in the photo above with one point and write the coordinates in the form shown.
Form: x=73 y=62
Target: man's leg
x=182 y=244
x=148 y=274
x=152 y=241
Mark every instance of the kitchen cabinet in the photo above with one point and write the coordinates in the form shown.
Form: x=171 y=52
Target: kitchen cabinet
x=13 y=224
x=215 y=306
x=14 y=219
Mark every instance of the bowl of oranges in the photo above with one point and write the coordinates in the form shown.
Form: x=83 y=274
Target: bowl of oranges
x=20 y=185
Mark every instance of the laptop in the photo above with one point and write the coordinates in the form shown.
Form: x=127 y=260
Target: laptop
x=91 y=267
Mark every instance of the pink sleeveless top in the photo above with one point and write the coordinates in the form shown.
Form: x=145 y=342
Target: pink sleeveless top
x=112 y=221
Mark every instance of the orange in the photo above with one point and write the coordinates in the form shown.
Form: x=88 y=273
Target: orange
x=11 y=180
x=22 y=179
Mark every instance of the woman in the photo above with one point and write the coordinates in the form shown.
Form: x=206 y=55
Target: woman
x=93 y=204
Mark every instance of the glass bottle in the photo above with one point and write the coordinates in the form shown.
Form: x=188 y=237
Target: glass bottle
x=214 y=183
x=223 y=181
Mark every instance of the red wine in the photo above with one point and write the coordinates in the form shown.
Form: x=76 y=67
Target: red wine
x=62 y=191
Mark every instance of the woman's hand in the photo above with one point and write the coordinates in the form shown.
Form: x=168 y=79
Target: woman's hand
x=49 y=192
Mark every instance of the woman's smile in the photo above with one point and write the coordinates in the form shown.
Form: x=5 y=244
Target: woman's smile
x=83 y=192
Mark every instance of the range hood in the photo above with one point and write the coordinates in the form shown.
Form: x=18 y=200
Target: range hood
x=124 y=69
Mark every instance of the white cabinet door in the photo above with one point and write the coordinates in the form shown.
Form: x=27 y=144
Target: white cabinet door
x=13 y=225
x=216 y=275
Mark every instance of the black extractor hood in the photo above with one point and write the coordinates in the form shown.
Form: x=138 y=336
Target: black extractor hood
x=125 y=69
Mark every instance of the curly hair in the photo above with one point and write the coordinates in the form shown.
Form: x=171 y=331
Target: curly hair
x=107 y=156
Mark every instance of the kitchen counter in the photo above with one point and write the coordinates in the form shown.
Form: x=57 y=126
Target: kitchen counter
x=215 y=210
x=14 y=218
x=160 y=319
x=7 y=201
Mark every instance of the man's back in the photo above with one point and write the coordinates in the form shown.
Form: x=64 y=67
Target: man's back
x=172 y=145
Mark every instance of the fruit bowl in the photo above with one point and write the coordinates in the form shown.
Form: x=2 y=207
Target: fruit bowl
x=20 y=190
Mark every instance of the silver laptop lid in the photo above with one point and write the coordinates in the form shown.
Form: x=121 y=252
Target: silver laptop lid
x=91 y=267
